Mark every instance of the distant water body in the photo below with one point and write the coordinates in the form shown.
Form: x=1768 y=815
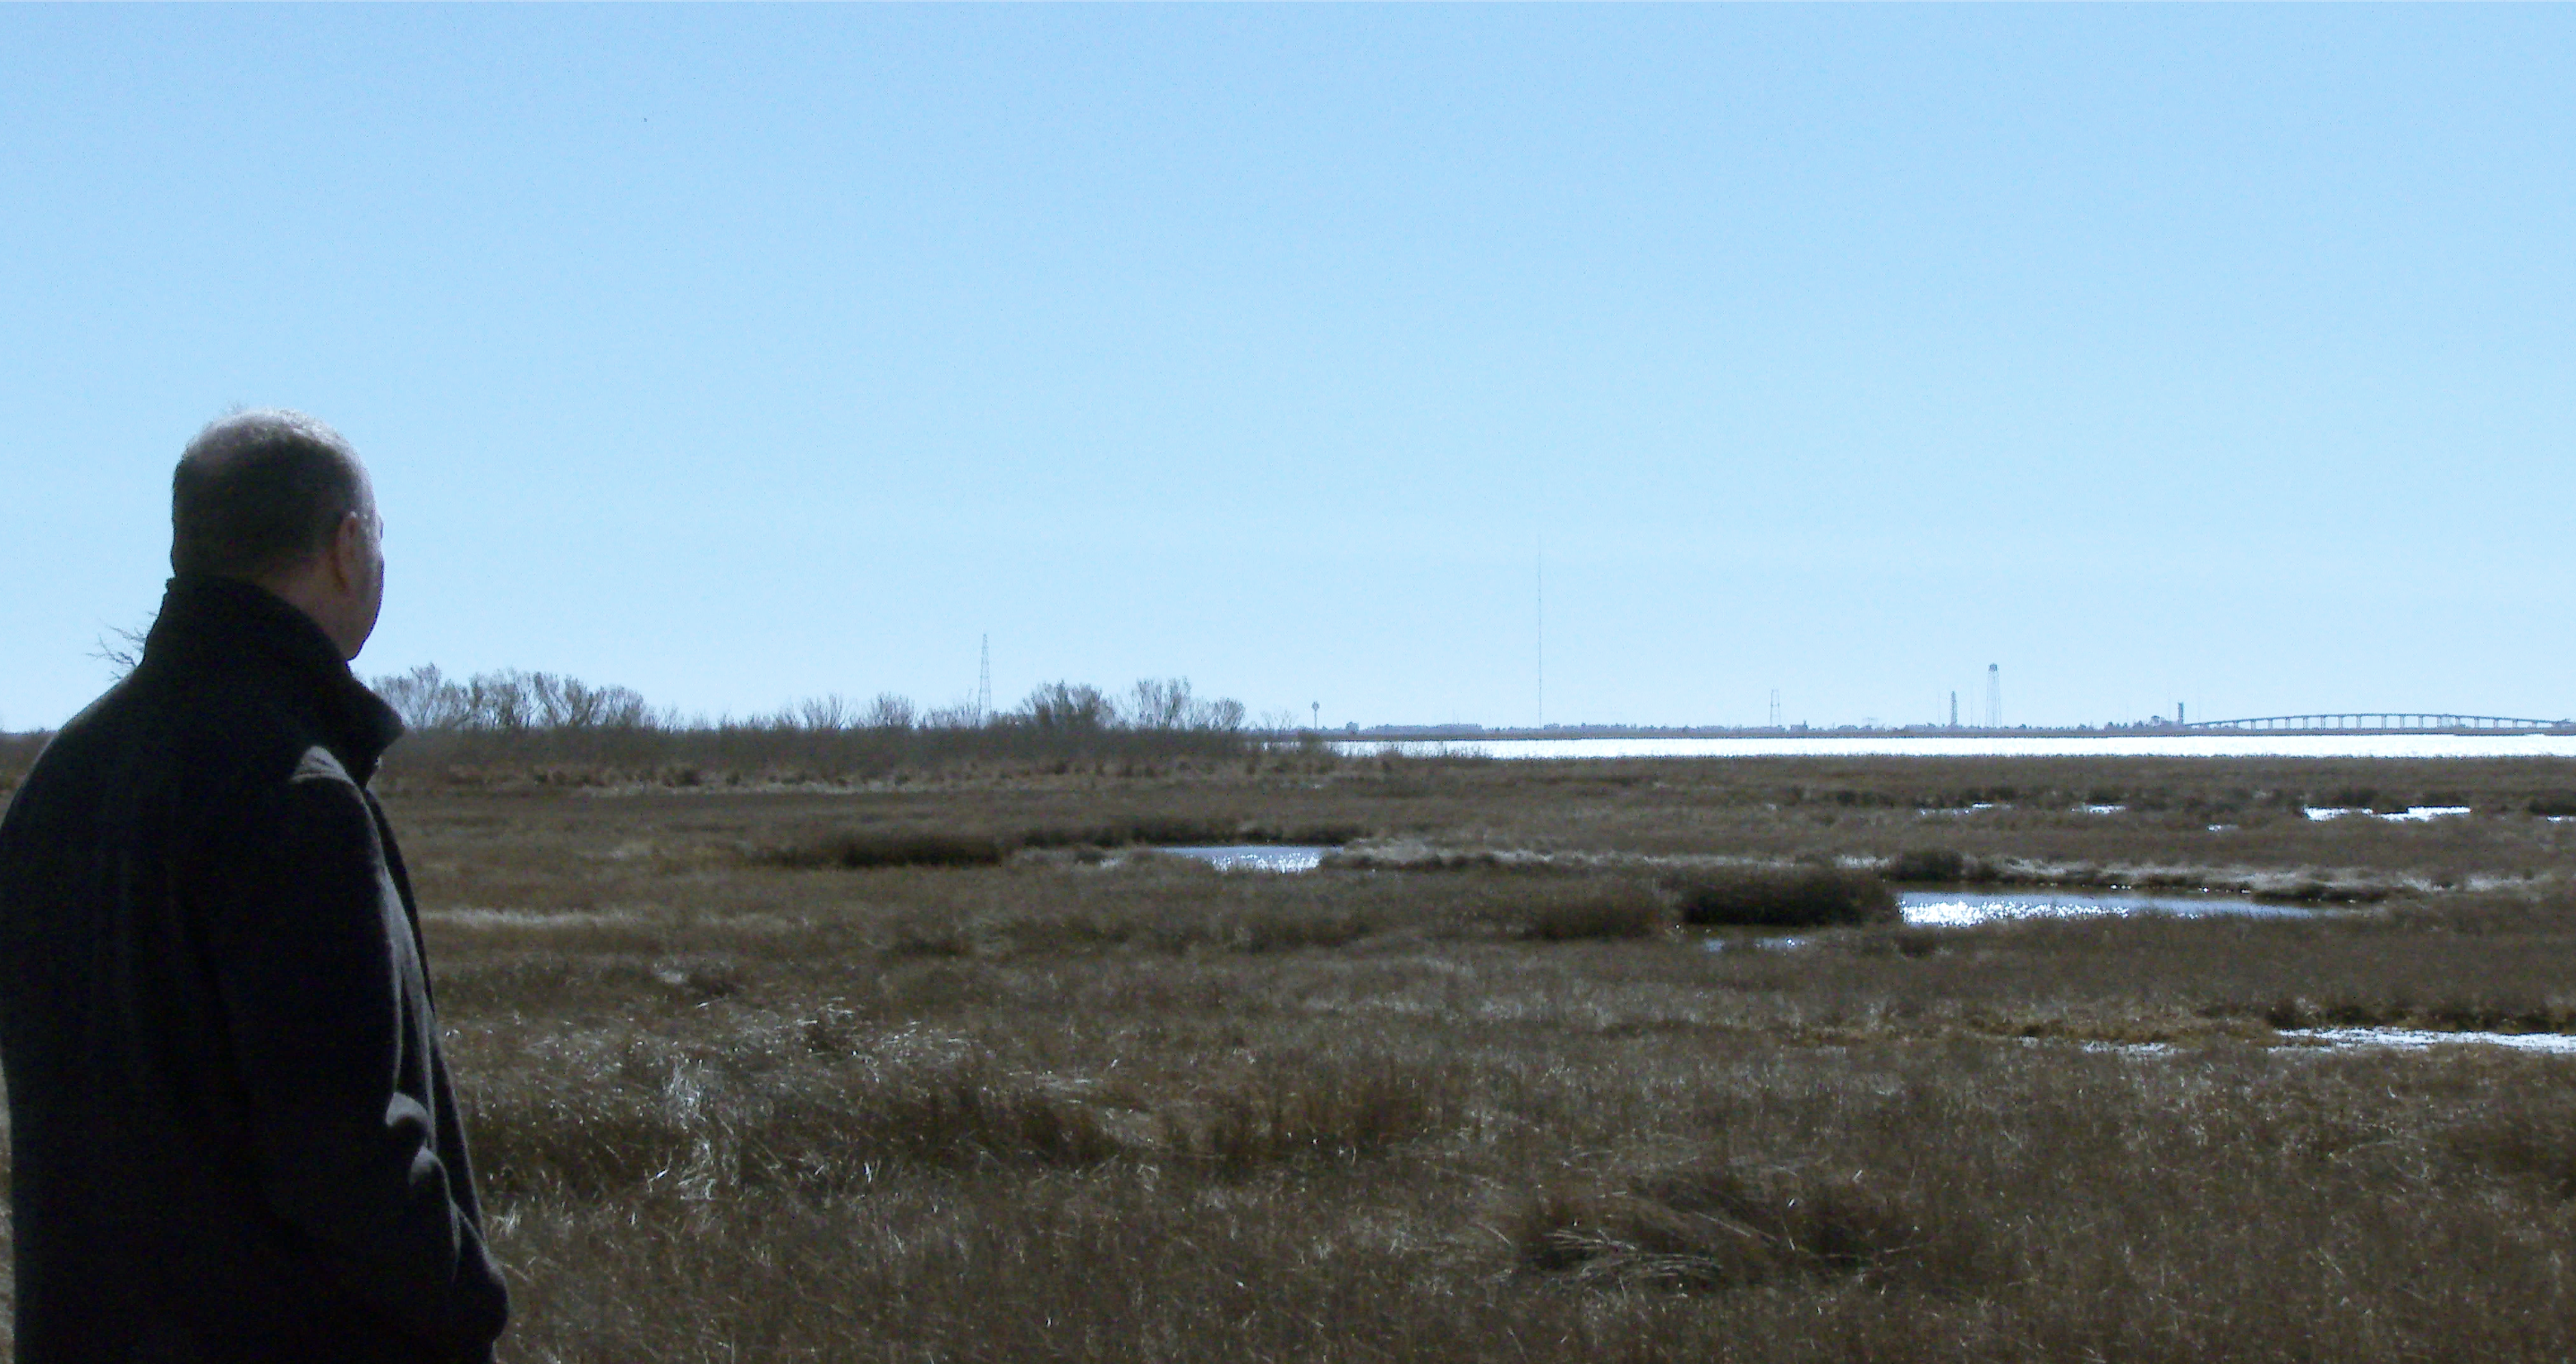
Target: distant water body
x=2078 y=746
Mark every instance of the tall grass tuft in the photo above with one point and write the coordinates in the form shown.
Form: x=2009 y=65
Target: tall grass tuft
x=905 y=848
x=1570 y=909
x=1300 y=1108
x=1928 y=864
x=812 y=1106
x=1758 y=897
x=1721 y=1225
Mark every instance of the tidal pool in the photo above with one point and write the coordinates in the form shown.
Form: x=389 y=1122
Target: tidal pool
x=1256 y=856
x=1962 y=908
x=2413 y=1039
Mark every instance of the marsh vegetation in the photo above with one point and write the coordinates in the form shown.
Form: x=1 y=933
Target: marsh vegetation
x=943 y=1062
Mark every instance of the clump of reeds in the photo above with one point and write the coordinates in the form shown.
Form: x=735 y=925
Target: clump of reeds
x=2524 y=1134
x=1729 y=1224
x=1300 y=1107
x=1285 y=929
x=1763 y=897
x=813 y=1106
x=1929 y=864
x=886 y=848
x=1575 y=908
x=2437 y=1015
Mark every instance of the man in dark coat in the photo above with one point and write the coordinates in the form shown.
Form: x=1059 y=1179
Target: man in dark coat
x=232 y=1132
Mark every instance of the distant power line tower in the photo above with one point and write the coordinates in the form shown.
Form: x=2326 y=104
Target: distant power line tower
x=1994 y=696
x=1775 y=707
x=984 y=685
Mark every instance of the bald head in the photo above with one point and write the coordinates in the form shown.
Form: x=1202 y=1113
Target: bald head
x=259 y=493
x=279 y=499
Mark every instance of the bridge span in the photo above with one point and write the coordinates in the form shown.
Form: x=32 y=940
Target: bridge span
x=2383 y=722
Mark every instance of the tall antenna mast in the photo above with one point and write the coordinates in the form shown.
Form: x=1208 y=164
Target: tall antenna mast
x=1775 y=707
x=984 y=685
x=1541 y=598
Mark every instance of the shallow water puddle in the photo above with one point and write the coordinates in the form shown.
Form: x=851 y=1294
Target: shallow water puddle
x=2413 y=814
x=1962 y=908
x=2415 y=1039
x=1256 y=856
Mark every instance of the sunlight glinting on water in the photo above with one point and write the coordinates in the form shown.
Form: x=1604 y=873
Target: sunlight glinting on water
x=2411 y=1039
x=1255 y=857
x=1961 y=909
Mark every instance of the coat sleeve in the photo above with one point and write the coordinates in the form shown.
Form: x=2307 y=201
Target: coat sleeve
x=327 y=1012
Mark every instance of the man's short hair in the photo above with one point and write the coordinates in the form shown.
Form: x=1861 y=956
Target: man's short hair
x=258 y=493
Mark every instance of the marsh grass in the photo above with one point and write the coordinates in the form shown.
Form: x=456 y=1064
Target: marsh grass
x=1440 y=1136
x=1585 y=907
x=1303 y=1107
x=1727 y=1224
x=812 y=1105
x=858 y=851
x=1062 y=1107
x=919 y=847
x=1934 y=864
x=1762 y=897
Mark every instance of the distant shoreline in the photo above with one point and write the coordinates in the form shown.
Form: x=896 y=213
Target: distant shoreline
x=1508 y=744
x=1552 y=733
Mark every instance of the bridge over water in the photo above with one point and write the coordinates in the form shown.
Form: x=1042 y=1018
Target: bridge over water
x=2383 y=722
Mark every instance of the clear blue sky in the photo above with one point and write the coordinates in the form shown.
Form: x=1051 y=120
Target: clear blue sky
x=2224 y=355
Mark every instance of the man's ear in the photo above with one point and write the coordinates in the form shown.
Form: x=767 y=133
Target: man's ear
x=349 y=553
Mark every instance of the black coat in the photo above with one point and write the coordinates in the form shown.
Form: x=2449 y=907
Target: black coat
x=232 y=1133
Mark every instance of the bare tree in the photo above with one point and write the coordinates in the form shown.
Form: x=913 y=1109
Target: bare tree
x=510 y=701
x=121 y=649
x=1224 y=713
x=888 y=711
x=826 y=714
x=570 y=703
x=423 y=697
x=1068 y=708
x=1159 y=703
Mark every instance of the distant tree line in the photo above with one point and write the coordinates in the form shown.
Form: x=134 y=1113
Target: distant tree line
x=511 y=701
x=515 y=725
x=512 y=724
x=17 y=754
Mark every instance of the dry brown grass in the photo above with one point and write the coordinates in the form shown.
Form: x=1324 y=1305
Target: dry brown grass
x=2179 y=822
x=1081 y=1104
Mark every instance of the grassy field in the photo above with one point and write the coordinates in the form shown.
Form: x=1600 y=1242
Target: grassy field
x=931 y=1064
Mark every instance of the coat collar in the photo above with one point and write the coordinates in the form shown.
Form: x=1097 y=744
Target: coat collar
x=208 y=622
